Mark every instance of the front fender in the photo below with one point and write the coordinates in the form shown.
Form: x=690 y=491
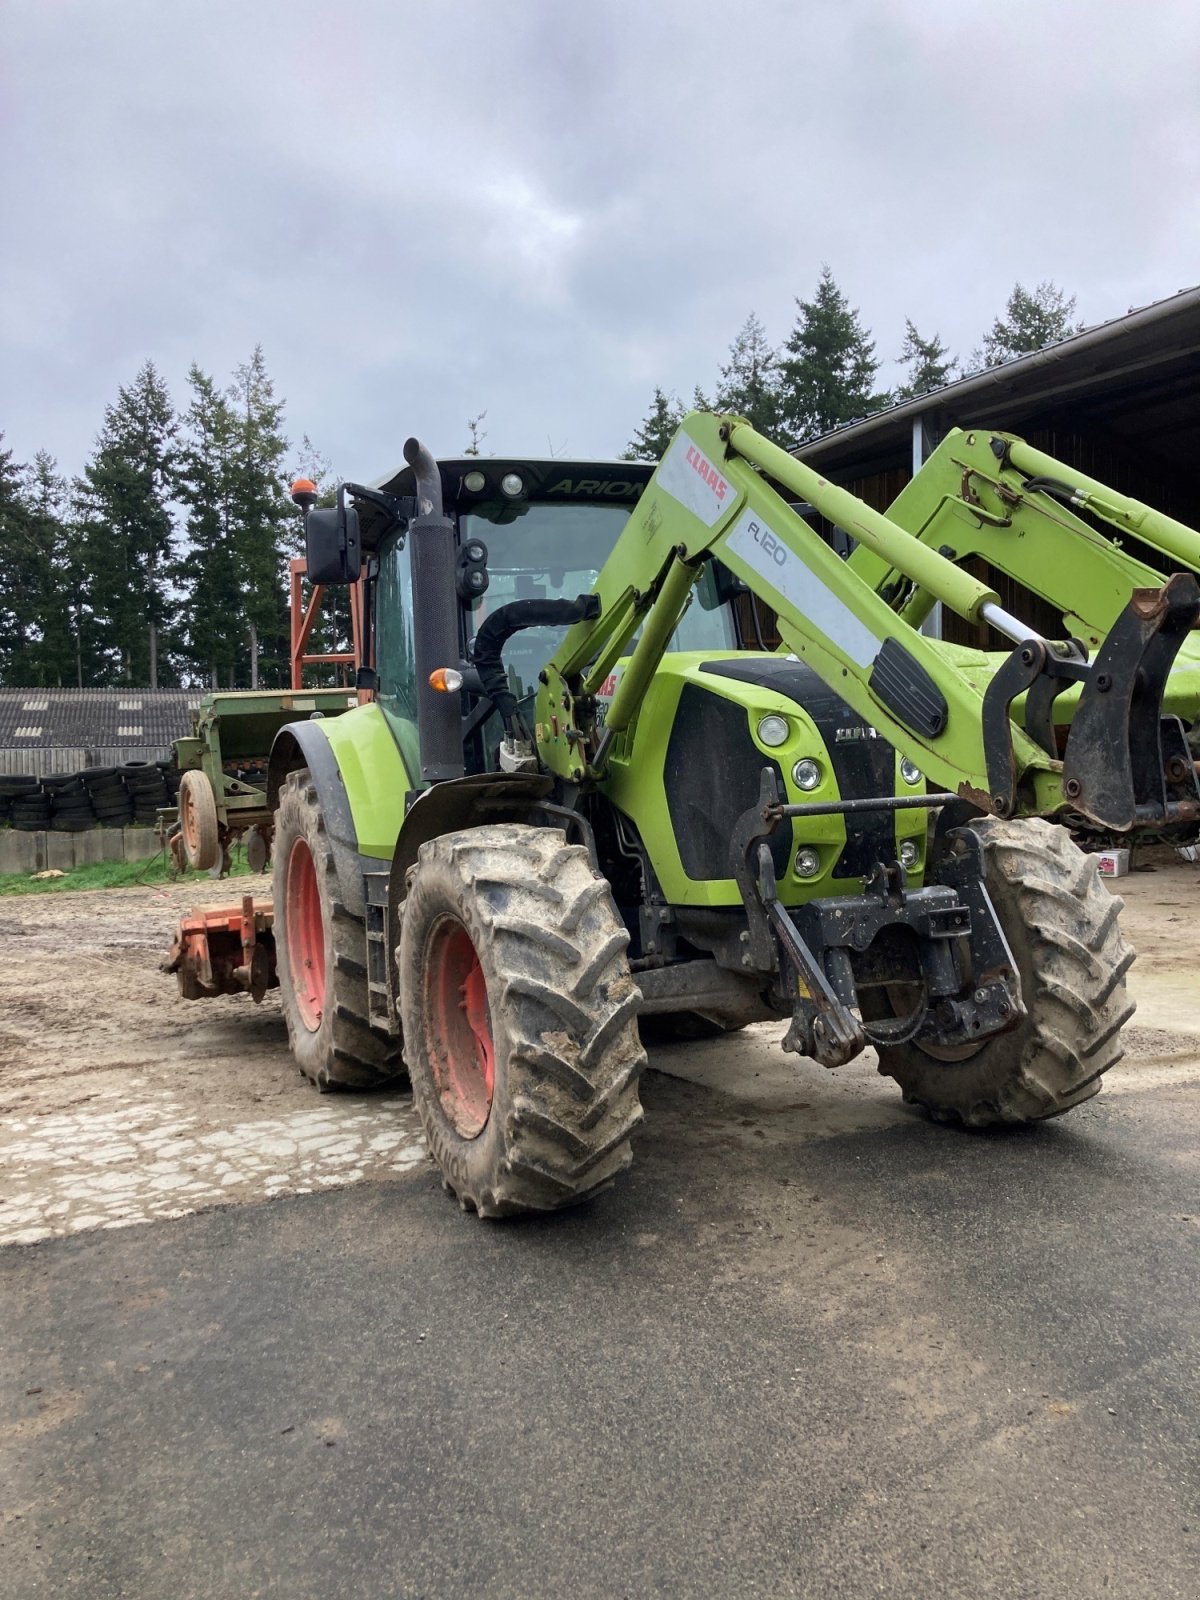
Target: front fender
x=304 y=744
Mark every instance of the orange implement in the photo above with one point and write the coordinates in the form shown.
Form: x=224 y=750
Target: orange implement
x=225 y=950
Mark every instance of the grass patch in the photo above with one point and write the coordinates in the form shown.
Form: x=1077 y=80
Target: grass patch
x=112 y=875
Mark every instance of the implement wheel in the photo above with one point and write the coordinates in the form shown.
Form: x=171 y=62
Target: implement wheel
x=199 y=828
x=321 y=954
x=520 y=1019
x=1061 y=923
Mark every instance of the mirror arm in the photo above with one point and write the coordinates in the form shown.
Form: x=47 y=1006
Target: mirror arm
x=398 y=508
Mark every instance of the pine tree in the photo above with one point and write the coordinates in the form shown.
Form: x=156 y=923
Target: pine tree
x=1030 y=322
x=263 y=519
x=54 y=598
x=927 y=363
x=829 y=366
x=476 y=434
x=126 y=525
x=650 y=441
x=749 y=383
x=211 y=611
x=15 y=565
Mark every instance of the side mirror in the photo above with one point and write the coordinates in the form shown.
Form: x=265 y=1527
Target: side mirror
x=333 y=544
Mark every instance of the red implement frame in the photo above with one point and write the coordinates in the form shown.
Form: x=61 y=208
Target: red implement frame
x=304 y=617
x=225 y=950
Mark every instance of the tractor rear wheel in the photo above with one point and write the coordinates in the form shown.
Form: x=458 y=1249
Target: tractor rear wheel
x=1061 y=923
x=520 y=1019
x=321 y=954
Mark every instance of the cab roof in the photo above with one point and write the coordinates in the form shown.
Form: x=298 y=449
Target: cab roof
x=572 y=482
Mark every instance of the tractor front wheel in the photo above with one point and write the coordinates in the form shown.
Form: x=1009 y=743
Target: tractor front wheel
x=321 y=954
x=520 y=1019
x=1061 y=924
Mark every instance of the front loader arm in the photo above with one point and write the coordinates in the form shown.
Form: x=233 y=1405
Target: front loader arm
x=710 y=498
x=990 y=494
x=707 y=499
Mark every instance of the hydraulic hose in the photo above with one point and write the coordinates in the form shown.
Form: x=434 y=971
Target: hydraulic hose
x=499 y=628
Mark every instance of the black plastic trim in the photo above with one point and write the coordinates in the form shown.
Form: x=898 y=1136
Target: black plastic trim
x=907 y=690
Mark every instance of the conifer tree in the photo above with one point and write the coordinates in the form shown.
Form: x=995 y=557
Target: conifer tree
x=212 y=639
x=749 y=382
x=929 y=363
x=828 y=366
x=263 y=519
x=14 y=567
x=476 y=434
x=126 y=527
x=650 y=441
x=1031 y=320
x=53 y=656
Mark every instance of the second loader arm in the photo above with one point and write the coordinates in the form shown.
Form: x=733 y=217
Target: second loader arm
x=710 y=498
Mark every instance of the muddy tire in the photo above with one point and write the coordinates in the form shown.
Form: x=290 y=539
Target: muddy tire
x=199 y=827
x=519 y=1019
x=1061 y=923
x=321 y=955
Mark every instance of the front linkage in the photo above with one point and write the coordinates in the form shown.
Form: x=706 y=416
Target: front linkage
x=1125 y=766
x=822 y=953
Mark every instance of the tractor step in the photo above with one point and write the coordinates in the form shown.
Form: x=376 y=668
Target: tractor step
x=225 y=950
x=378 y=1005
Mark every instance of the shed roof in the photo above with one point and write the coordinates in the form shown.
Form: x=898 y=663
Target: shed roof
x=90 y=718
x=1138 y=376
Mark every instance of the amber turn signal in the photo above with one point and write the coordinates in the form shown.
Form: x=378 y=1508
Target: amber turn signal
x=445 y=680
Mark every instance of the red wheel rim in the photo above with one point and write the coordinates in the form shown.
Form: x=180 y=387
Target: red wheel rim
x=459 y=1028
x=305 y=935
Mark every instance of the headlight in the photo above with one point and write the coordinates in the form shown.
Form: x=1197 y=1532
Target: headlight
x=474 y=482
x=512 y=484
x=910 y=854
x=807 y=773
x=910 y=771
x=773 y=731
x=808 y=863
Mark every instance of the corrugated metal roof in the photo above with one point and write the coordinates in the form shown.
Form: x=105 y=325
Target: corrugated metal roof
x=1161 y=337
x=91 y=719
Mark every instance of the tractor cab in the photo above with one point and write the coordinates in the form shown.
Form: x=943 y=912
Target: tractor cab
x=524 y=530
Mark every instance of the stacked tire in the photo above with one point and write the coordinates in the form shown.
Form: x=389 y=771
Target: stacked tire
x=146 y=789
x=21 y=802
x=110 y=799
x=70 y=803
x=172 y=778
x=28 y=804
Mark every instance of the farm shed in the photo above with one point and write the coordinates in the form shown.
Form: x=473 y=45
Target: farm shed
x=1120 y=401
x=45 y=731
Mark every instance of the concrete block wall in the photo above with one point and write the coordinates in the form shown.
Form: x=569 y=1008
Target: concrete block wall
x=38 y=852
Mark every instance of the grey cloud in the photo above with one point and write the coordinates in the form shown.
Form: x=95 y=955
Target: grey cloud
x=545 y=209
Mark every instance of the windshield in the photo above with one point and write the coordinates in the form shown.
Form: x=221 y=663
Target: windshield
x=555 y=552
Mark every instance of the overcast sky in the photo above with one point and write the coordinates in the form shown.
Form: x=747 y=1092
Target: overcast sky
x=541 y=210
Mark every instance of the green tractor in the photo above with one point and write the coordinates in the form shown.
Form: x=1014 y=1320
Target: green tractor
x=581 y=804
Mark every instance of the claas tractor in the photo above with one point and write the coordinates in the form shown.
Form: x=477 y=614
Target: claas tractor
x=580 y=809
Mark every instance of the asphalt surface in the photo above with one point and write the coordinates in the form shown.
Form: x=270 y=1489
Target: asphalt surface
x=897 y=1360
